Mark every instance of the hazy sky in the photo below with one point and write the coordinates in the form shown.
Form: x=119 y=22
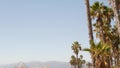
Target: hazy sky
x=41 y=30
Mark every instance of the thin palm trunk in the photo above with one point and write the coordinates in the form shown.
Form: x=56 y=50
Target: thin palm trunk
x=77 y=61
x=89 y=26
x=89 y=20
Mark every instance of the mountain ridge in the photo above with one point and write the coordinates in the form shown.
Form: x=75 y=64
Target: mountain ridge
x=38 y=64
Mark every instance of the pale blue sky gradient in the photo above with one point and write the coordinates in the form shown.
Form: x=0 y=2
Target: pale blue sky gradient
x=41 y=30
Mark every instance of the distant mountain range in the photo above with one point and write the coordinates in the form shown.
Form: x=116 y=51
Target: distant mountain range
x=36 y=64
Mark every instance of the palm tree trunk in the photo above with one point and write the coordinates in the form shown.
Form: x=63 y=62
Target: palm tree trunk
x=89 y=26
x=89 y=20
x=77 y=61
x=115 y=6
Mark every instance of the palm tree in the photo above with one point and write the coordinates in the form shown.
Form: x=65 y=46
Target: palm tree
x=73 y=61
x=110 y=34
x=89 y=25
x=96 y=12
x=76 y=48
x=115 y=4
x=103 y=15
x=101 y=53
x=81 y=61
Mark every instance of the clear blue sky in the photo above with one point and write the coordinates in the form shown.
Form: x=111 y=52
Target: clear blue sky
x=41 y=30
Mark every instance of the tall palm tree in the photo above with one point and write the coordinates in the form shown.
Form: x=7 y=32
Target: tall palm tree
x=115 y=4
x=89 y=25
x=76 y=48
